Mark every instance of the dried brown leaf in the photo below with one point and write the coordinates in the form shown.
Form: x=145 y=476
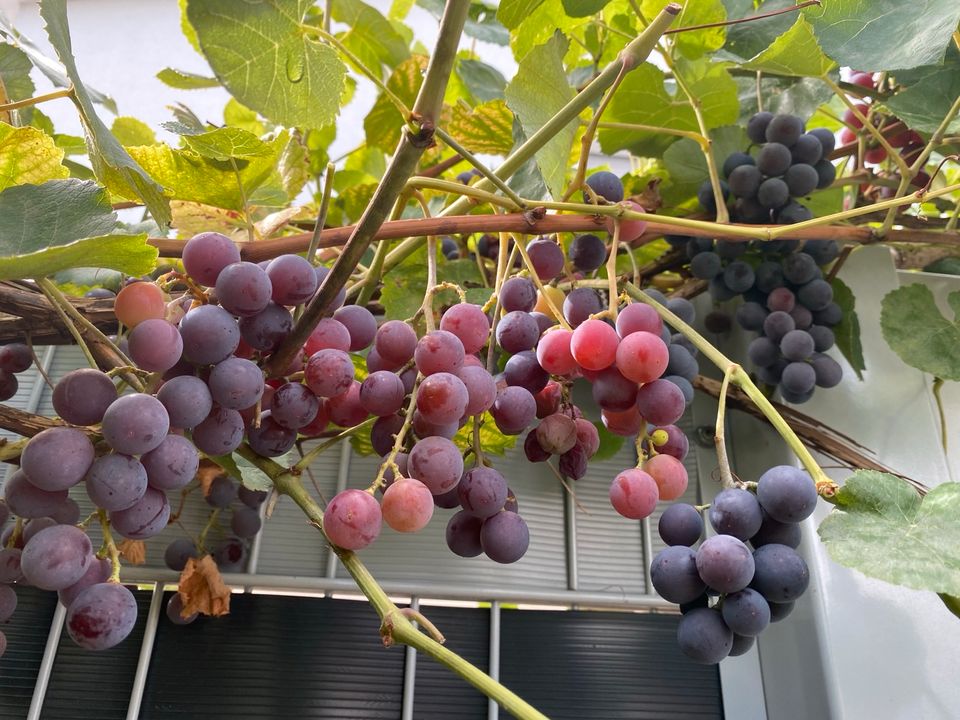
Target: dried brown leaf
x=133 y=551
x=202 y=590
x=206 y=474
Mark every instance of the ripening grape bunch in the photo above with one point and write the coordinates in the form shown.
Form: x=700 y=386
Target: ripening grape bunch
x=728 y=594
x=789 y=163
x=786 y=300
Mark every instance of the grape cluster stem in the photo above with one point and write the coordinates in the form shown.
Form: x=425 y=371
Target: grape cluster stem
x=109 y=546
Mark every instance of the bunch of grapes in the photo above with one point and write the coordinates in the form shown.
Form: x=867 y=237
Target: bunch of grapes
x=789 y=163
x=908 y=142
x=786 y=300
x=14 y=359
x=727 y=593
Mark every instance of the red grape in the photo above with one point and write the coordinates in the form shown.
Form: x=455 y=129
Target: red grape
x=642 y=356
x=634 y=494
x=407 y=505
x=353 y=519
x=594 y=345
x=669 y=474
x=140 y=301
x=553 y=352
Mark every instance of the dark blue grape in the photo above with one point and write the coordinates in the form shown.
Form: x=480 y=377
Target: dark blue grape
x=587 y=252
x=774 y=159
x=827 y=370
x=822 y=251
x=826 y=172
x=797 y=345
x=816 y=294
x=745 y=181
x=769 y=275
x=680 y=524
x=808 y=149
x=750 y=316
x=831 y=315
x=746 y=612
x=735 y=160
x=682 y=308
x=773 y=531
x=730 y=249
x=606 y=185
x=787 y=493
x=704 y=637
x=780 y=574
x=706 y=197
x=827 y=139
x=706 y=265
x=785 y=129
x=674 y=575
x=823 y=338
x=801 y=179
x=798 y=378
x=777 y=325
x=681 y=363
x=738 y=276
x=773 y=193
x=736 y=512
x=757 y=126
x=793 y=212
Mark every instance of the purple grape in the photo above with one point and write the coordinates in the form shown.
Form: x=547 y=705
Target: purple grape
x=116 y=482
x=360 y=323
x=174 y=611
x=546 y=256
x=101 y=616
x=680 y=524
x=518 y=294
x=439 y=351
x=463 y=534
x=481 y=389
x=220 y=433
x=98 y=572
x=736 y=512
x=513 y=410
x=660 y=402
x=293 y=406
x=251 y=498
x=437 y=463
x=82 y=396
x=781 y=575
x=442 y=398
x=482 y=491
x=178 y=552
x=524 y=370
x=25 y=500
x=787 y=493
x=612 y=391
x=383 y=431
x=56 y=557
x=469 y=323
x=270 y=439
x=580 y=304
x=505 y=537
x=210 y=334
x=187 y=400
x=243 y=289
x=245 y=522
x=155 y=345
x=725 y=564
x=329 y=372
x=57 y=458
x=587 y=252
x=517 y=331
x=230 y=555
x=236 y=383
x=292 y=279
x=704 y=637
x=267 y=329
x=395 y=342
x=673 y=573
x=135 y=424
x=222 y=492
x=606 y=185
x=341 y=295
x=773 y=531
x=146 y=518
x=382 y=393
x=206 y=254
x=36 y=525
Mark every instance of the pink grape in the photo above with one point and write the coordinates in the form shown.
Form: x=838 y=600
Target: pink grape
x=407 y=505
x=669 y=474
x=625 y=423
x=554 y=354
x=594 y=345
x=634 y=494
x=442 y=398
x=637 y=317
x=328 y=333
x=588 y=437
x=353 y=519
x=395 y=342
x=469 y=323
x=481 y=389
x=642 y=356
x=437 y=463
x=206 y=254
x=439 y=351
x=329 y=372
x=345 y=409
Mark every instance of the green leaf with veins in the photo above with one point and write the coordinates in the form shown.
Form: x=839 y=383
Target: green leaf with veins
x=369 y=35
x=918 y=332
x=15 y=69
x=748 y=39
x=242 y=117
x=795 y=53
x=34 y=217
x=486 y=128
x=182 y=80
x=535 y=94
x=186 y=175
x=384 y=123
x=265 y=58
x=130 y=131
x=541 y=25
x=696 y=43
x=28 y=156
x=513 y=12
x=127 y=253
x=643 y=99
x=484 y=82
x=872 y=35
x=930 y=92
x=227 y=142
x=883 y=528
x=685 y=162
x=847 y=331
x=106 y=154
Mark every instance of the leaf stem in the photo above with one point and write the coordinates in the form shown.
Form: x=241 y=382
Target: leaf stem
x=726 y=477
x=937 y=387
x=110 y=546
x=825 y=486
x=315 y=452
x=402 y=165
x=484 y=170
x=68 y=322
x=752 y=18
x=37 y=99
x=636 y=127
x=321 y=214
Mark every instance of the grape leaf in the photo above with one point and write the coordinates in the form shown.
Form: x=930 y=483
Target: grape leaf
x=643 y=99
x=583 y=8
x=486 y=128
x=783 y=95
x=482 y=23
x=513 y=12
x=483 y=81
x=796 y=53
x=749 y=39
x=187 y=175
x=847 y=332
x=183 y=80
x=227 y=142
x=28 y=155
x=694 y=44
x=267 y=61
x=492 y=441
x=917 y=331
x=130 y=131
x=241 y=116
x=872 y=35
x=930 y=93
x=944 y=266
x=383 y=123
x=687 y=166
x=370 y=35
x=883 y=528
x=610 y=444
x=14 y=75
x=126 y=253
x=535 y=94
x=544 y=21
x=106 y=154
